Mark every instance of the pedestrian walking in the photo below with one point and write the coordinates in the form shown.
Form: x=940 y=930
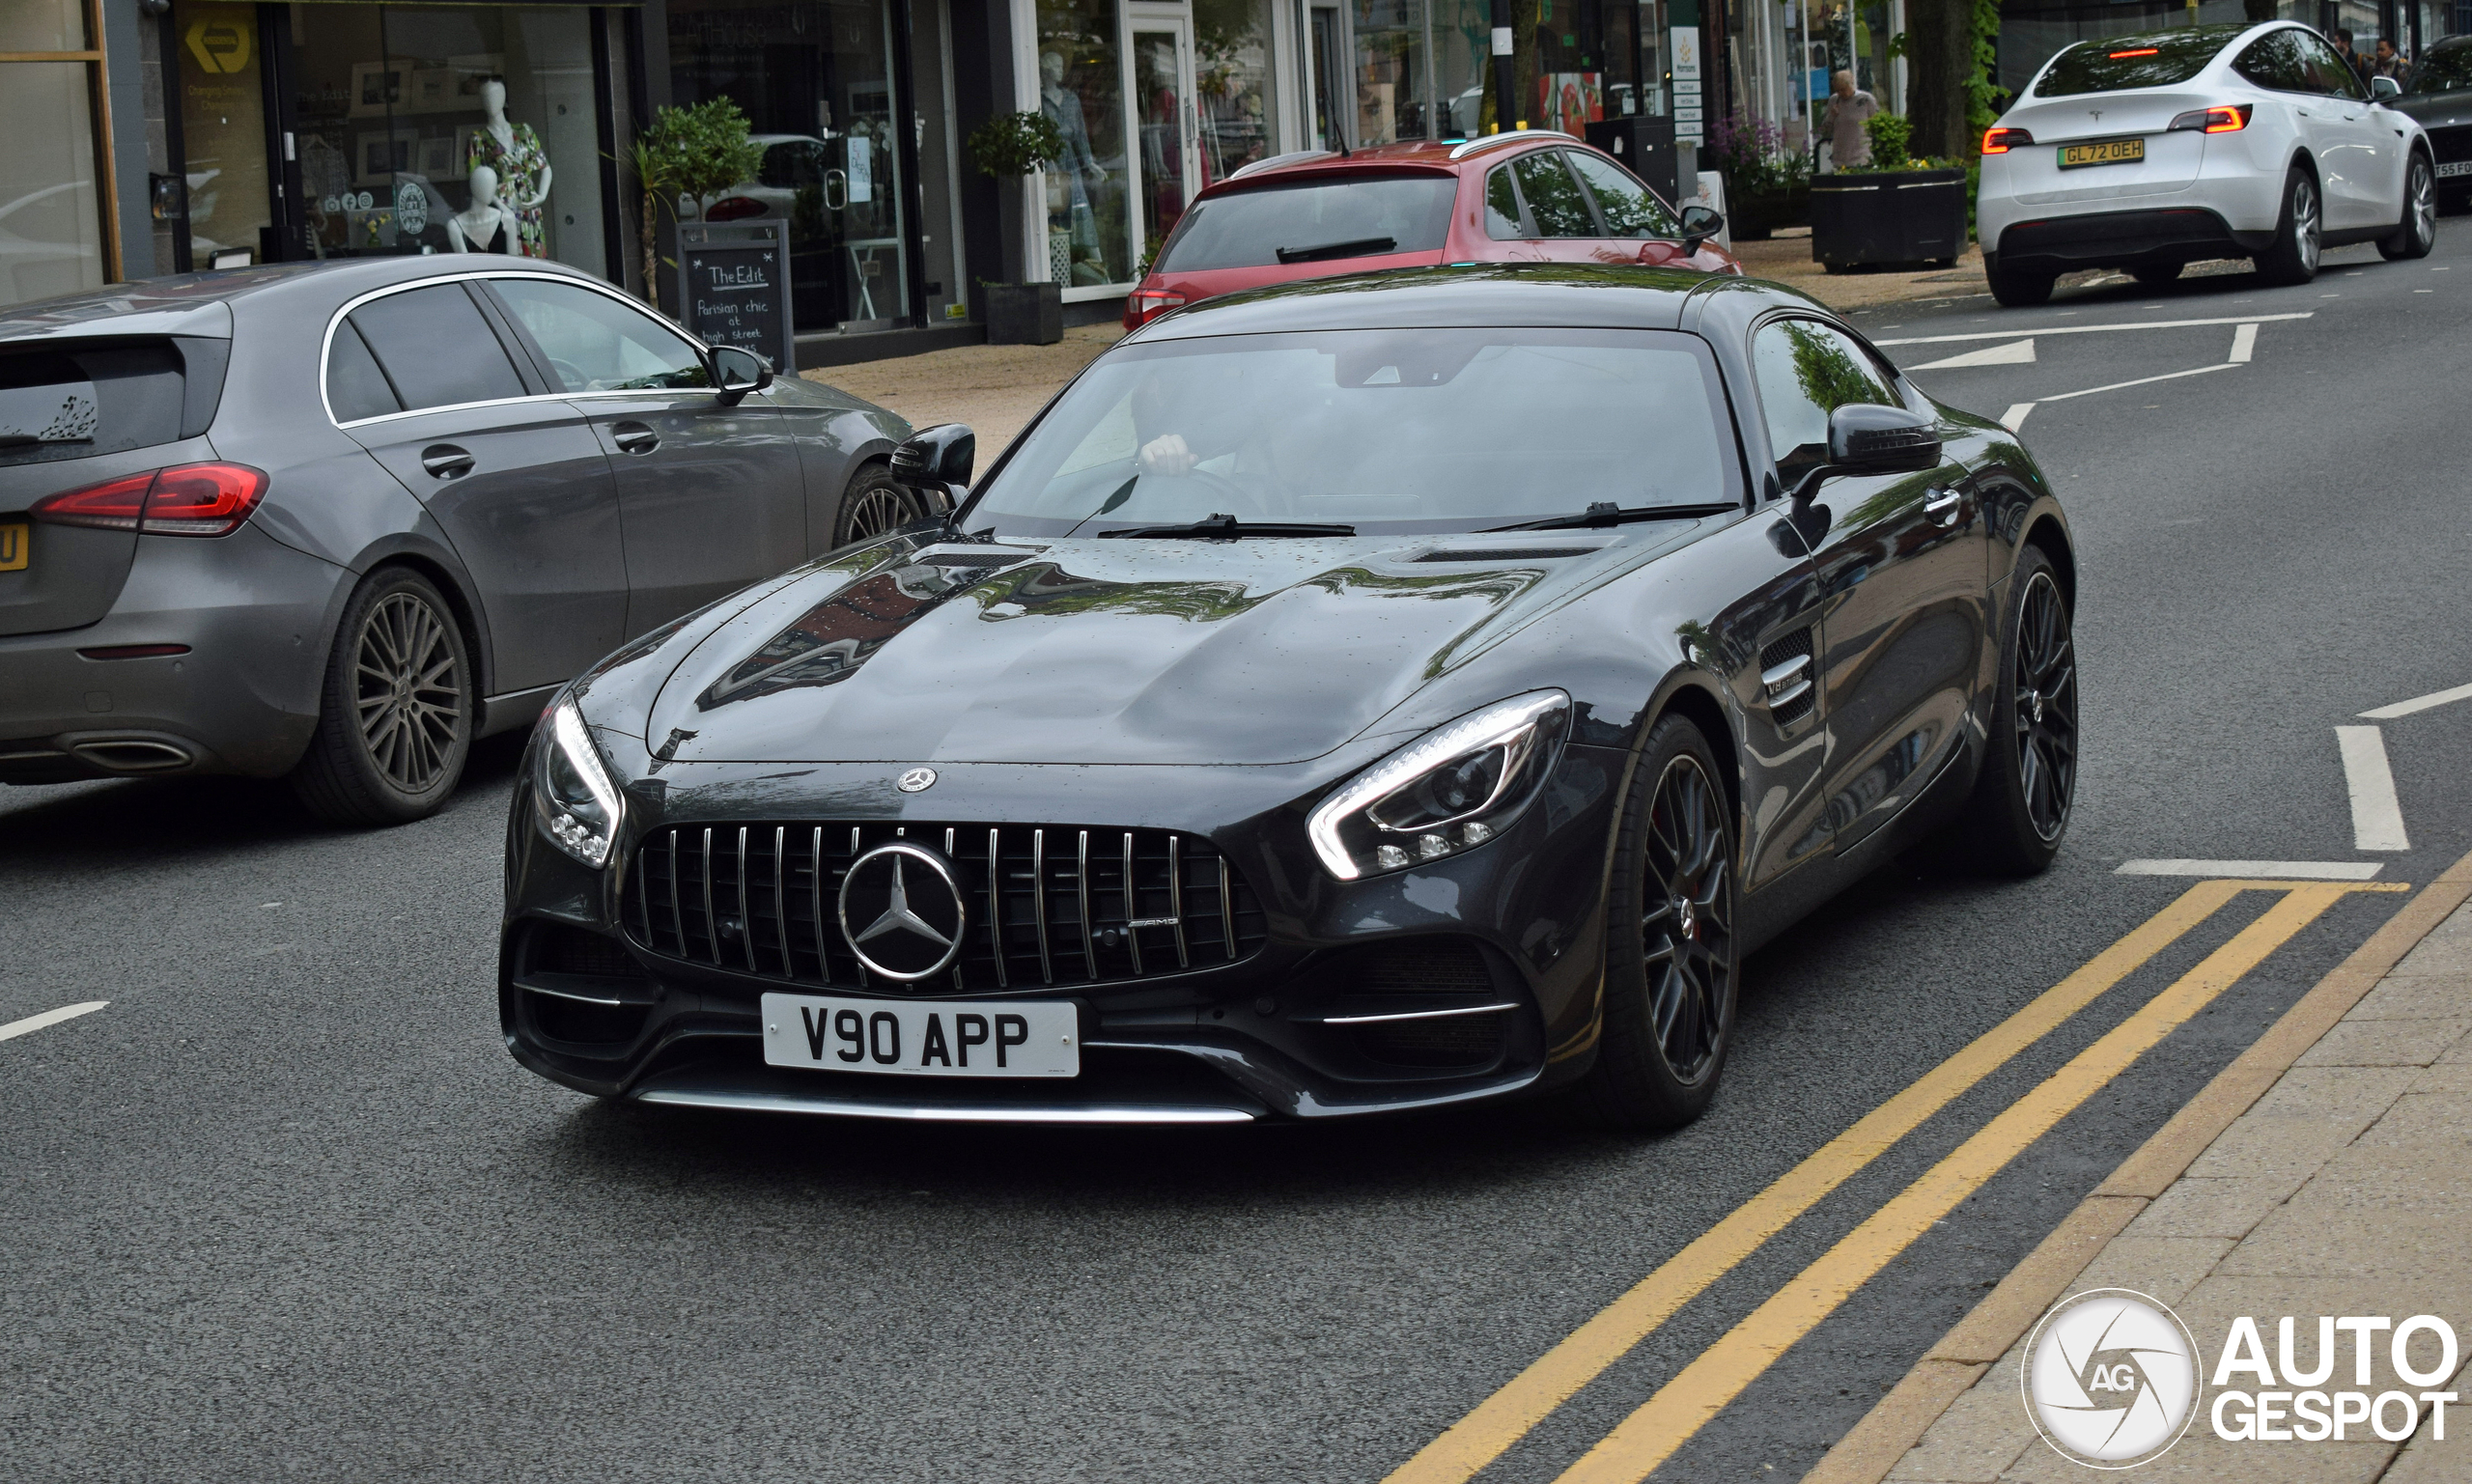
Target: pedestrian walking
x=1850 y=144
x=2351 y=59
x=2390 y=63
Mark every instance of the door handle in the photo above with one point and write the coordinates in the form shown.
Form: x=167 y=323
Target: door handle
x=634 y=437
x=446 y=461
x=1944 y=507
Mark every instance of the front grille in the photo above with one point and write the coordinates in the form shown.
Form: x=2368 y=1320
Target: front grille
x=1049 y=906
x=2451 y=144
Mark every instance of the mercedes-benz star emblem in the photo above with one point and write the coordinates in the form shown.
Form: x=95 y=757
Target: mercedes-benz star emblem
x=911 y=905
x=918 y=780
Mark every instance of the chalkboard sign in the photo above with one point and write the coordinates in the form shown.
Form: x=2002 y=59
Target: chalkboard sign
x=734 y=287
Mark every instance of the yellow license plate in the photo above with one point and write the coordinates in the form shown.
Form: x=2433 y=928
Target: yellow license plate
x=2111 y=151
x=14 y=535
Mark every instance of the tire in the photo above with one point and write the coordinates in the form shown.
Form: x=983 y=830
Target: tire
x=2292 y=259
x=2016 y=289
x=873 y=503
x=1671 y=960
x=395 y=713
x=2161 y=275
x=2019 y=811
x=2417 y=233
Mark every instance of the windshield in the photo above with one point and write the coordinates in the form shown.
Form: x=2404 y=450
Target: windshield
x=2442 y=69
x=2155 y=60
x=1390 y=432
x=1317 y=221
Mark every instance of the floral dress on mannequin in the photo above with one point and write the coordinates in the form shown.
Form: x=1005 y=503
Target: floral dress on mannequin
x=520 y=165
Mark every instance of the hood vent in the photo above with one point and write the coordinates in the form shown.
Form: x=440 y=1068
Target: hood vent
x=1507 y=553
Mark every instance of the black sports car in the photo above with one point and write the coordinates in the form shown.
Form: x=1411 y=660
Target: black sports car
x=1349 y=696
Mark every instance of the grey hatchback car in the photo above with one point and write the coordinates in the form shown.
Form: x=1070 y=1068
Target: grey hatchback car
x=337 y=520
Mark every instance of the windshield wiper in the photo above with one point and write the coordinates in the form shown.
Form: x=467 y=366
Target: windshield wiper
x=1607 y=512
x=1226 y=527
x=1354 y=247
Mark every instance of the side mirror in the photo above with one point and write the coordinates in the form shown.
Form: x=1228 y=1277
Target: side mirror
x=936 y=460
x=1867 y=439
x=2385 y=89
x=736 y=371
x=1698 y=224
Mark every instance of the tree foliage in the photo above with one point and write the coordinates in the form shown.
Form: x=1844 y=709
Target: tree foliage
x=1011 y=145
x=697 y=151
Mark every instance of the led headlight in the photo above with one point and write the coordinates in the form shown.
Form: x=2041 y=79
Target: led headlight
x=1454 y=790
x=572 y=795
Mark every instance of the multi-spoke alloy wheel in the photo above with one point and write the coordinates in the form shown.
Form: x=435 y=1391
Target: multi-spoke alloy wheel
x=873 y=504
x=1686 y=927
x=1669 y=1009
x=396 y=718
x=2291 y=258
x=2417 y=233
x=410 y=691
x=2046 y=708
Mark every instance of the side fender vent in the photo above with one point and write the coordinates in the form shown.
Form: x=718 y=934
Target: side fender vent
x=1785 y=677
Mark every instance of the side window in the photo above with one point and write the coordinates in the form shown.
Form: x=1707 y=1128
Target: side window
x=1554 y=199
x=2274 y=61
x=595 y=344
x=1806 y=371
x=2326 y=71
x=1628 y=209
x=1502 y=220
x=436 y=348
x=355 y=387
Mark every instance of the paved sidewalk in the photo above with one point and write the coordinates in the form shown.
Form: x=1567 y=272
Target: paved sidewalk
x=995 y=389
x=2345 y=1190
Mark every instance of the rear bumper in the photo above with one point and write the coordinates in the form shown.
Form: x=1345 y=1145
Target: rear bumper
x=2064 y=244
x=242 y=698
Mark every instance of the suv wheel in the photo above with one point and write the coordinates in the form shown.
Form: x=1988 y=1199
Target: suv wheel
x=2417 y=233
x=396 y=715
x=2294 y=257
x=873 y=503
x=2017 y=290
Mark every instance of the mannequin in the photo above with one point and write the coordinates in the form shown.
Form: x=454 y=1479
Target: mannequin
x=518 y=164
x=486 y=225
x=1068 y=178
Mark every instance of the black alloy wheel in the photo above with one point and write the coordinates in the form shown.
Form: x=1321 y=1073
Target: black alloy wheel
x=396 y=715
x=873 y=503
x=2017 y=288
x=1670 y=956
x=2029 y=782
x=2417 y=233
x=2293 y=258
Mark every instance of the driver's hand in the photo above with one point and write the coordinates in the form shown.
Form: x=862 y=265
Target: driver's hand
x=1167 y=454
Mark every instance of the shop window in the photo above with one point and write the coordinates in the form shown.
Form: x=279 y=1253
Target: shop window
x=1391 y=71
x=1232 y=67
x=815 y=79
x=54 y=219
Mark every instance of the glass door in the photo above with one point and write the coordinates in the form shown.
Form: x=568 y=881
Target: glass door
x=1163 y=111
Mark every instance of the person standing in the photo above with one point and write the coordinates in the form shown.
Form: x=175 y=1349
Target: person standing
x=2390 y=63
x=2351 y=59
x=1849 y=143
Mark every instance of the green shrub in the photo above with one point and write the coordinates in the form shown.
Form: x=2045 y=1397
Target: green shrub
x=1015 y=144
x=1891 y=134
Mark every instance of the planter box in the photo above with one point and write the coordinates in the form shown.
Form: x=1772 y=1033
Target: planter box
x=1907 y=217
x=1025 y=314
x=1756 y=215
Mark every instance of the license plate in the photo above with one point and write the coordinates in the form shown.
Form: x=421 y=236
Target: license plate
x=14 y=537
x=2109 y=152
x=923 y=1038
x=2458 y=167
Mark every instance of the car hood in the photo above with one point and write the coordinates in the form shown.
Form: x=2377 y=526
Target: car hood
x=1101 y=651
x=2436 y=110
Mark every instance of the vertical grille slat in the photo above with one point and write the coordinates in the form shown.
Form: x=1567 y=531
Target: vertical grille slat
x=1049 y=921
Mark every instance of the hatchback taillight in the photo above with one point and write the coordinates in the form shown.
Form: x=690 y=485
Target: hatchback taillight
x=2000 y=141
x=190 y=499
x=2221 y=119
x=1148 y=304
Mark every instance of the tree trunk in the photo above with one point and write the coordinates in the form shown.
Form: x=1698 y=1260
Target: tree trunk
x=652 y=252
x=1940 y=56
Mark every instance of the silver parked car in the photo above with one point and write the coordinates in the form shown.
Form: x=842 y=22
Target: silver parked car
x=337 y=520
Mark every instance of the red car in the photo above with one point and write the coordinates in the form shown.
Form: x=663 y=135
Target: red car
x=1529 y=196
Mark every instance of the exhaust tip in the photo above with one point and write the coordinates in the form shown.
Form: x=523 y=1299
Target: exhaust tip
x=132 y=755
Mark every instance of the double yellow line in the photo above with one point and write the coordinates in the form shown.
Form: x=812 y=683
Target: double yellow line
x=1652 y=1434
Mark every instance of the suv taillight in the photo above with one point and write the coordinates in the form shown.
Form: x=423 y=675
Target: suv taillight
x=190 y=499
x=2221 y=119
x=1148 y=304
x=2000 y=141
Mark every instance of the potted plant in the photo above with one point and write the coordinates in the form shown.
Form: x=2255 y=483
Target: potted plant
x=696 y=152
x=1767 y=185
x=1008 y=146
x=1895 y=211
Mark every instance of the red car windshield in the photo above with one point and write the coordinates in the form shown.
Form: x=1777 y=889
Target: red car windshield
x=1313 y=221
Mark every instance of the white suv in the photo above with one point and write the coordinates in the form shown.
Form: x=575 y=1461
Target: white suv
x=2148 y=153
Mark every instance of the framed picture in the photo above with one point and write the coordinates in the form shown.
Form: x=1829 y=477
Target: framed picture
x=434 y=89
x=375 y=87
x=383 y=154
x=439 y=159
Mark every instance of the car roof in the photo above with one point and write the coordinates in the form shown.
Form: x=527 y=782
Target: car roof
x=203 y=303
x=1449 y=155
x=1554 y=295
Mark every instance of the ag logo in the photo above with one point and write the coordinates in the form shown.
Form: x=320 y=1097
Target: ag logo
x=2111 y=1379
x=901 y=910
x=219 y=46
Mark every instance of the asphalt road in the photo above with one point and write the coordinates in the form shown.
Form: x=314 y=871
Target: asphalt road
x=287 y=1209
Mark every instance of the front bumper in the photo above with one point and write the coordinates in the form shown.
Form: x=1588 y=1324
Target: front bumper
x=1313 y=1022
x=241 y=699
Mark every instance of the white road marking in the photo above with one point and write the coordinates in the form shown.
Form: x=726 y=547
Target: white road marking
x=34 y=1022
x=2377 y=816
x=2244 y=344
x=2419 y=703
x=2021 y=353
x=2276 y=870
x=2097 y=329
x=2015 y=417
x=2169 y=375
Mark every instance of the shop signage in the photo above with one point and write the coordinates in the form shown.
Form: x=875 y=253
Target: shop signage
x=734 y=287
